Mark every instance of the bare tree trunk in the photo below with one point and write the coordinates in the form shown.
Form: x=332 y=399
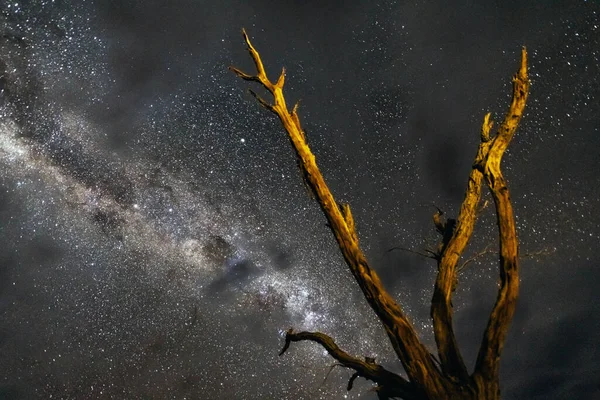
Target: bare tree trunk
x=426 y=378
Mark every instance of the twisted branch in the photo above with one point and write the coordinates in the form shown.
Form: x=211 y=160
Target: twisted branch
x=487 y=163
x=366 y=368
x=414 y=357
x=487 y=365
x=425 y=378
x=451 y=250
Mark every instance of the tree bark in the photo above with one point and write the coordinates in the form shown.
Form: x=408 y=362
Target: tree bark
x=426 y=379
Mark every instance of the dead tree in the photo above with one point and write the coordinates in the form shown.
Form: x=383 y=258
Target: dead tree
x=428 y=378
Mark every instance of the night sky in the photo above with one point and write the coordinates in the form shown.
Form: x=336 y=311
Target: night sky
x=156 y=237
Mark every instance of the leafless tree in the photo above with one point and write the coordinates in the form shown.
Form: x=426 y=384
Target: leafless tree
x=428 y=378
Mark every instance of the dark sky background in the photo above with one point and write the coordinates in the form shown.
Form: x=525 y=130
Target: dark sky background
x=156 y=236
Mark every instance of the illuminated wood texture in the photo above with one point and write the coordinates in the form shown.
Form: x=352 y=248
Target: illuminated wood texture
x=428 y=378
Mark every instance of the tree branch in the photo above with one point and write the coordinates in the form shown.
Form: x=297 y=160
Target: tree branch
x=329 y=370
x=537 y=253
x=429 y=254
x=488 y=250
x=415 y=358
x=487 y=365
x=451 y=250
x=487 y=162
x=366 y=368
x=425 y=378
x=474 y=257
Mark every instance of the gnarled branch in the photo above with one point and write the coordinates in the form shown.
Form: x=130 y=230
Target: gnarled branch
x=451 y=250
x=487 y=163
x=366 y=368
x=415 y=358
x=426 y=380
x=487 y=365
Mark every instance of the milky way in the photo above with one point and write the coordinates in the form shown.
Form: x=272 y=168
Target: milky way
x=157 y=239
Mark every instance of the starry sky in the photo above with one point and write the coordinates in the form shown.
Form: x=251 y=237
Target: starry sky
x=156 y=236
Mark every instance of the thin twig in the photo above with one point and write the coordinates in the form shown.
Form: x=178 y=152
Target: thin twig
x=469 y=260
x=432 y=254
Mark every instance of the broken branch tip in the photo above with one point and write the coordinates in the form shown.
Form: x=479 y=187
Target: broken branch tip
x=523 y=69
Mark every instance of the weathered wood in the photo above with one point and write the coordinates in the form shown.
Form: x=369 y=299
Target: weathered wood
x=426 y=380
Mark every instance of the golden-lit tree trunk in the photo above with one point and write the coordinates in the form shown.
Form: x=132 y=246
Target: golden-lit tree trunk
x=427 y=379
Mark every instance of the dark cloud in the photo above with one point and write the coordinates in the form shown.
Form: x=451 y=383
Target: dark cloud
x=233 y=271
x=281 y=257
x=236 y=273
x=109 y=222
x=218 y=250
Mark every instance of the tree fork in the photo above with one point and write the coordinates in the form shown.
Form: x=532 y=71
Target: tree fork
x=425 y=379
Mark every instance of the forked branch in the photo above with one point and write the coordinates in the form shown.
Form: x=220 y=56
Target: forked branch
x=426 y=380
x=366 y=368
x=415 y=358
x=487 y=164
x=487 y=366
x=452 y=248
